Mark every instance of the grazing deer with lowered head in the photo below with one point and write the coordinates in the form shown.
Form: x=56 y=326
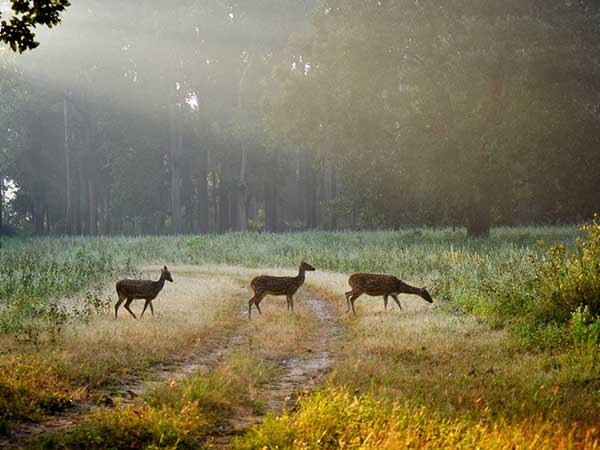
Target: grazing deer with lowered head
x=376 y=285
x=267 y=285
x=131 y=290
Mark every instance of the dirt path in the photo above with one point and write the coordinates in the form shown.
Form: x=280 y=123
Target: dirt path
x=297 y=375
x=213 y=352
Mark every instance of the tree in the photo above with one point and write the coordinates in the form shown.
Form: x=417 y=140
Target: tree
x=434 y=110
x=18 y=33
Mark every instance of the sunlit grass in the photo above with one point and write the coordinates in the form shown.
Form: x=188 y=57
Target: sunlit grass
x=426 y=377
x=108 y=351
x=459 y=368
x=335 y=419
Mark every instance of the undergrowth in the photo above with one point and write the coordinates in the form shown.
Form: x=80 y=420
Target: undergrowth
x=333 y=419
x=181 y=414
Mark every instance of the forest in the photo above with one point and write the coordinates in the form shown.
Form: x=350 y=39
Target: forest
x=208 y=116
x=350 y=224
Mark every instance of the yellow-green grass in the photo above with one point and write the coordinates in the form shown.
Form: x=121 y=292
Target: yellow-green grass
x=181 y=413
x=425 y=377
x=187 y=412
x=334 y=419
x=105 y=352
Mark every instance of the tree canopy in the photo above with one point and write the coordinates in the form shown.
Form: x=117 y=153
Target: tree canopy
x=195 y=116
x=26 y=15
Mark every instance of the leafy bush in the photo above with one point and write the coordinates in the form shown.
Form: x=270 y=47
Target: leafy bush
x=557 y=286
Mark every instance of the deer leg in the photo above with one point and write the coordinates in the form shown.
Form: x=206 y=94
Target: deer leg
x=290 y=301
x=348 y=295
x=254 y=300
x=395 y=297
x=352 y=299
x=148 y=302
x=121 y=299
x=127 y=303
x=151 y=309
x=385 y=302
x=250 y=307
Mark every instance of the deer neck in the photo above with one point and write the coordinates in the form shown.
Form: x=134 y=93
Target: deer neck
x=158 y=285
x=301 y=276
x=408 y=289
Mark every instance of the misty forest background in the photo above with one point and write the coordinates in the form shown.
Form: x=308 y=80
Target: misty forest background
x=198 y=116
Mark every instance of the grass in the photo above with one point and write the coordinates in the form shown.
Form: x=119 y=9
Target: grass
x=334 y=418
x=187 y=412
x=180 y=414
x=427 y=377
x=491 y=364
x=104 y=352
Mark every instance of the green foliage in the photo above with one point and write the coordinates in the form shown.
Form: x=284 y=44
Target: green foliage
x=18 y=31
x=36 y=277
x=539 y=296
x=433 y=116
x=506 y=279
x=585 y=327
x=30 y=387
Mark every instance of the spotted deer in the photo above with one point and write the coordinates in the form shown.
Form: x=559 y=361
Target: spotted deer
x=141 y=289
x=376 y=285
x=267 y=285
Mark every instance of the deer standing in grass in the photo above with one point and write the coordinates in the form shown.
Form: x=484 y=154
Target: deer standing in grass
x=376 y=285
x=267 y=285
x=148 y=290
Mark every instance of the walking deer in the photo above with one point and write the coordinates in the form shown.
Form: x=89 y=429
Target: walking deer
x=141 y=289
x=267 y=285
x=376 y=285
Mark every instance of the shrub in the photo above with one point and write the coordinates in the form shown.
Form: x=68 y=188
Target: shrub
x=559 y=285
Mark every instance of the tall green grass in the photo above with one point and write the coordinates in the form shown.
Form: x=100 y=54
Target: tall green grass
x=487 y=277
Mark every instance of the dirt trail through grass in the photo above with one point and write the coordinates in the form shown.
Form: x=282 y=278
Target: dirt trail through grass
x=297 y=374
x=299 y=364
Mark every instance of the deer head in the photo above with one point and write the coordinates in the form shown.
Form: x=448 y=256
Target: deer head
x=425 y=295
x=307 y=267
x=166 y=274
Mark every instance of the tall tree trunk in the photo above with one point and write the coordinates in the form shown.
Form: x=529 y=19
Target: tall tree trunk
x=242 y=187
x=93 y=208
x=271 y=200
x=309 y=192
x=222 y=203
x=203 y=192
x=174 y=152
x=69 y=210
x=1 y=202
x=83 y=195
x=479 y=210
x=333 y=196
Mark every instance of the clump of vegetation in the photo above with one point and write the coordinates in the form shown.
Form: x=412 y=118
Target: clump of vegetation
x=550 y=298
x=334 y=418
x=30 y=387
x=179 y=414
x=35 y=279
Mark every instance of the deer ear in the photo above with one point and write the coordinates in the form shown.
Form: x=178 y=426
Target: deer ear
x=165 y=268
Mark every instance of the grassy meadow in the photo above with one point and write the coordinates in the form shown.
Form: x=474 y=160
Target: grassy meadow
x=506 y=357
